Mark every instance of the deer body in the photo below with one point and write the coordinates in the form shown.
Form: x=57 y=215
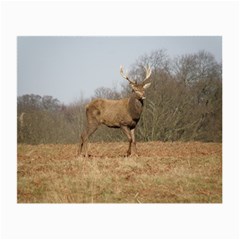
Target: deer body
x=123 y=113
x=115 y=113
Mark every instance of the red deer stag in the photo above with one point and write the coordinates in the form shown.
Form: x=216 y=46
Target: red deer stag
x=123 y=113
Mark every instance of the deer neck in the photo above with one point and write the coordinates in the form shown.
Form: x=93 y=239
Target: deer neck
x=135 y=106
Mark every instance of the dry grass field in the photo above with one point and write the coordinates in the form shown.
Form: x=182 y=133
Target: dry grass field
x=175 y=172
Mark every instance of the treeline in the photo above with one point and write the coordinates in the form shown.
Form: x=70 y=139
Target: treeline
x=184 y=103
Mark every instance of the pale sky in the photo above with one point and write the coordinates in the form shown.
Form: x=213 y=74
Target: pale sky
x=70 y=67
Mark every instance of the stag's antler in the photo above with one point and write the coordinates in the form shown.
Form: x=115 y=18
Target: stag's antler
x=125 y=76
x=148 y=74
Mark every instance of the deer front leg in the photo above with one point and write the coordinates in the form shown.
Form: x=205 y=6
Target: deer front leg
x=134 y=149
x=127 y=131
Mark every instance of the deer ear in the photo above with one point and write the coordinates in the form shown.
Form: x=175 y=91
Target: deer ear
x=147 y=85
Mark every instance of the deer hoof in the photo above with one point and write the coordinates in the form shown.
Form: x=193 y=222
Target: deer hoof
x=82 y=155
x=132 y=154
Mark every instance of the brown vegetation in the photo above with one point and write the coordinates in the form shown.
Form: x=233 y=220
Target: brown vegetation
x=173 y=172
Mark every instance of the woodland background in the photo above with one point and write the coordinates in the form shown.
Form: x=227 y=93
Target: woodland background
x=184 y=103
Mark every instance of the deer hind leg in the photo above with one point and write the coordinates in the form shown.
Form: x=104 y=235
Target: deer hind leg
x=127 y=131
x=92 y=125
x=83 y=146
x=82 y=141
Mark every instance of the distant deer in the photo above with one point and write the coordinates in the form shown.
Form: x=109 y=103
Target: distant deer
x=123 y=113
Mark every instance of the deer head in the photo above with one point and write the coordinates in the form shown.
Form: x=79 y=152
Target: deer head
x=138 y=88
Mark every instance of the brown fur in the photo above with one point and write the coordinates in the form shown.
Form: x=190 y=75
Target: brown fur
x=123 y=113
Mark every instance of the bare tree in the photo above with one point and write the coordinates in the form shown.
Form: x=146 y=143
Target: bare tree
x=123 y=113
x=103 y=92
